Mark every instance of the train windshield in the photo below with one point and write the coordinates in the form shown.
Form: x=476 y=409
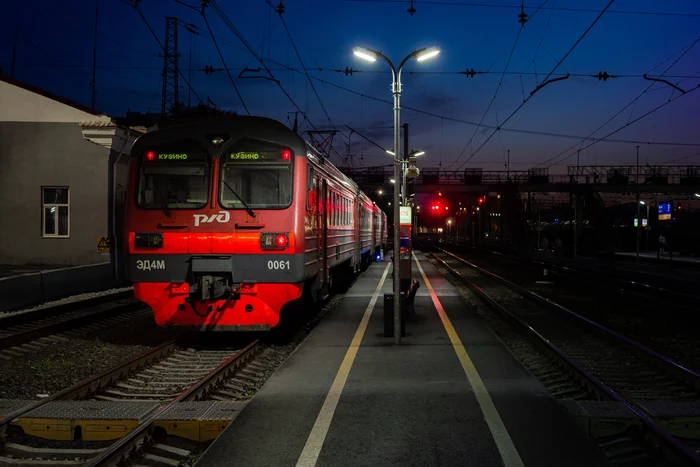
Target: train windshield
x=174 y=176
x=256 y=174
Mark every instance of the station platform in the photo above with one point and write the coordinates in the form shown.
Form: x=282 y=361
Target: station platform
x=450 y=394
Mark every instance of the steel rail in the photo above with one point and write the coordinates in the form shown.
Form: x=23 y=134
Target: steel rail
x=16 y=316
x=69 y=322
x=115 y=454
x=679 y=452
x=93 y=383
x=691 y=299
x=686 y=373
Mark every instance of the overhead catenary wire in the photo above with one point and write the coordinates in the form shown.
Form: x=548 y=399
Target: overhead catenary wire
x=221 y=56
x=500 y=82
x=633 y=101
x=335 y=70
x=511 y=6
x=56 y=66
x=544 y=81
x=598 y=140
x=430 y=114
x=296 y=51
x=135 y=5
x=514 y=130
x=215 y=7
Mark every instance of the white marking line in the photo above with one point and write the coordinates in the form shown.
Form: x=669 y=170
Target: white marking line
x=314 y=443
x=505 y=445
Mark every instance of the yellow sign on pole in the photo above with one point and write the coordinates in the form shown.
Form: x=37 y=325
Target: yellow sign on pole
x=104 y=244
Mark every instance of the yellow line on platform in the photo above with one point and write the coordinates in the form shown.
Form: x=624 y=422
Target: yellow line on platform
x=505 y=445
x=314 y=443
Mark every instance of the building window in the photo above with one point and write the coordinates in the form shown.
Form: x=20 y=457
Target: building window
x=55 y=212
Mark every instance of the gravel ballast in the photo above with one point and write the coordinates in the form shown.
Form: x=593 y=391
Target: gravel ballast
x=66 y=363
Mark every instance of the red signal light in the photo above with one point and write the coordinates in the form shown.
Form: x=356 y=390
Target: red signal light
x=150 y=155
x=286 y=154
x=481 y=200
x=281 y=240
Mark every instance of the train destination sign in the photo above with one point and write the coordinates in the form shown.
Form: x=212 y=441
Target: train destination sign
x=245 y=156
x=154 y=156
x=170 y=157
x=282 y=155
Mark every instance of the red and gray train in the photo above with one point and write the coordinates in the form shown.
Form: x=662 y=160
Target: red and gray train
x=232 y=219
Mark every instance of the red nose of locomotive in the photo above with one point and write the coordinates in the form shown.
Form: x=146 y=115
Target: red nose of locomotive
x=210 y=235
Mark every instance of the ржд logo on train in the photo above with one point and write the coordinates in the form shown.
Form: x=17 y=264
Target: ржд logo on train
x=222 y=217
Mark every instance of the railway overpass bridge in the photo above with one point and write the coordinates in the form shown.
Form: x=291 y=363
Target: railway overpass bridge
x=584 y=183
x=583 y=179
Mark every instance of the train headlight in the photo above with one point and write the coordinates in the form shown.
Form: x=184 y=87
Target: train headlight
x=148 y=240
x=274 y=240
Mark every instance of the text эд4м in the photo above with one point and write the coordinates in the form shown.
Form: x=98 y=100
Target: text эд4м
x=148 y=265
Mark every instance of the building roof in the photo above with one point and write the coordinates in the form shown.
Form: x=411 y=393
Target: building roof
x=47 y=94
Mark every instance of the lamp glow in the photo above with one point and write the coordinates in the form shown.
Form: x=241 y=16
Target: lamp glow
x=365 y=54
x=391 y=152
x=420 y=153
x=428 y=53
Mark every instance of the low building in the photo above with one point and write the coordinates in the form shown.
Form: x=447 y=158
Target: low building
x=62 y=177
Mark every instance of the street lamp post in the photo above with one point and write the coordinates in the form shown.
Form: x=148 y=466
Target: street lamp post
x=405 y=163
x=648 y=223
x=639 y=221
x=419 y=55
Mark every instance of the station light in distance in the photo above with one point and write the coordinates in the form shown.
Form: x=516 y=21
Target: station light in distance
x=438 y=208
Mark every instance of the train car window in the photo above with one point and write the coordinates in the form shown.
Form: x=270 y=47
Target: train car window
x=347 y=212
x=258 y=172
x=310 y=189
x=334 y=210
x=174 y=174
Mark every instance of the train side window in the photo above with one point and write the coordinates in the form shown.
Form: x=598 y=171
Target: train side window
x=332 y=208
x=310 y=189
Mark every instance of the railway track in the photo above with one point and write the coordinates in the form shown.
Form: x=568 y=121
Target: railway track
x=643 y=283
x=109 y=415
x=639 y=406
x=159 y=408
x=33 y=331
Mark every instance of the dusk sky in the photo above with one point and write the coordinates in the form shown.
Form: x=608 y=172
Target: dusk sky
x=55 y=49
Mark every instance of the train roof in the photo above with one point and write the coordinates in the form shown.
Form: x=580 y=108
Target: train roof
x=237 y=126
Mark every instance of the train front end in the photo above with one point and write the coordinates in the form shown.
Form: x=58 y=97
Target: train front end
x=211 y=225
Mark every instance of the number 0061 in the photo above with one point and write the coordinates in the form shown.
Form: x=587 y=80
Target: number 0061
x=278 y=265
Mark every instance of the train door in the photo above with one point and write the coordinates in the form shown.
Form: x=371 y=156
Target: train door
x=323 y=231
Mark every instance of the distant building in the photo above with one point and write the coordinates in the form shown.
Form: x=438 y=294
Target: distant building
x=62 y=177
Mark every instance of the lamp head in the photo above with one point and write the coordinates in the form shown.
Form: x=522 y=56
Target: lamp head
x=425 y=54
x=365 y=54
